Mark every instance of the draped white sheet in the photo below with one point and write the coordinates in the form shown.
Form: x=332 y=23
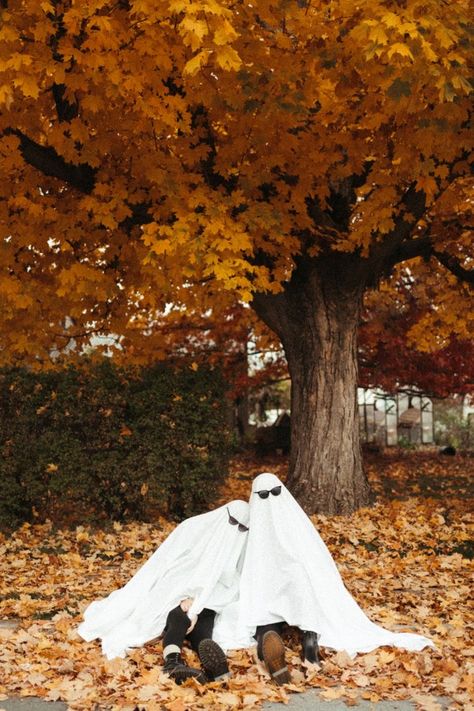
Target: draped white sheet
x=201 y=559
x=289 y=574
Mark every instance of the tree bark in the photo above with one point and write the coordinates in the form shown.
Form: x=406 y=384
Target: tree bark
x=316 y=319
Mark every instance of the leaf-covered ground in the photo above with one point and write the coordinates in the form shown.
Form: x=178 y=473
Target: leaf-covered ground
x=406 y=559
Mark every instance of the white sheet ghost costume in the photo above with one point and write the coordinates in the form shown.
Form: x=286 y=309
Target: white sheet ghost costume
x=289 y=575
x=200 y=559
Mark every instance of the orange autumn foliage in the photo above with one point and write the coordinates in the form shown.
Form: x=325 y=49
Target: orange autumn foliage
x=172 y=152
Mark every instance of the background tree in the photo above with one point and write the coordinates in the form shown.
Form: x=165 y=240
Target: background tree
x=158 y=153
x=404 y=340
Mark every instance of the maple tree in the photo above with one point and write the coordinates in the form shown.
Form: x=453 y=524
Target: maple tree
x=162 y=156
x=391 y=365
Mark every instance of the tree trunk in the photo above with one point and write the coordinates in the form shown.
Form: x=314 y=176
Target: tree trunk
x=316 y=319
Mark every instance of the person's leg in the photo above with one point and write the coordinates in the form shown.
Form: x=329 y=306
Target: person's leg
x=212 y=657
x=176 y=626
x=310 y=647
x=202 y=629
x=174 y=633
x=260 y=631
x=271 y=650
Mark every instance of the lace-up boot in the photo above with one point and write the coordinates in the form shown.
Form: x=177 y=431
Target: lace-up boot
x=213 y=660
x=178 y=670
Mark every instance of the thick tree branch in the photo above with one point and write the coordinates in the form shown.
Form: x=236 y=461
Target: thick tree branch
x=422 y=247
x=49 y=162
x=337 y=214
x=452 y=264
x=409 y=249
x=401 y=243
x=397 y=246
x=82 y=177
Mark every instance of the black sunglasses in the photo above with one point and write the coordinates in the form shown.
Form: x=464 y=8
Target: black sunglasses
x=265 y=493
x=233 y=522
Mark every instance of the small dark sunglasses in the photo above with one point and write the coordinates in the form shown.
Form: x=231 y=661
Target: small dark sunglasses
x=233 y=522
x=265 y=493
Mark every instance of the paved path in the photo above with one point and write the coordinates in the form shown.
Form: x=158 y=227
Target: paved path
x=32 y=704
x=308 y=701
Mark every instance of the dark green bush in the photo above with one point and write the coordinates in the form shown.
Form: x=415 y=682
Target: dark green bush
x=111 y=443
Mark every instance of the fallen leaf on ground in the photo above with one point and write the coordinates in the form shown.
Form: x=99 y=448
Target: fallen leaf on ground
x=410 y=570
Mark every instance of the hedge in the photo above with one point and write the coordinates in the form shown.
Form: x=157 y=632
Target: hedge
x=106 y=442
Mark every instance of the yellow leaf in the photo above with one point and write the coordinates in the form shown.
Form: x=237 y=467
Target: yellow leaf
x=6 y=96
x=193 y=32
x=385 y=657
x=391 y=20
x=377 y=34
x=228 y=59
x=225 y=33
x=361 y=679
x=332 y=694
x=17 y=61
x=177 y=705
x=401 y=49
x=198 y=27
x=194 y=65
x=230 y=699
x=82 y=536
x=342 y=659
x=444 y=37
x=161 y=246
x=459 y=82
x=429 y=53
x=428 y=185
x=109 y=221
x=28 y=85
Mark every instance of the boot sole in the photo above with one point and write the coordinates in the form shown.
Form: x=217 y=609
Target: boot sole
x=181 y=674
x=273 y=651
x=213 y=660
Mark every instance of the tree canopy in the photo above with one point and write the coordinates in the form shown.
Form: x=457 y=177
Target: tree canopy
x=186 y=153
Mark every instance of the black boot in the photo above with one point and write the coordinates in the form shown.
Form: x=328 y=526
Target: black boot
x=310 y=647
x=176 y=668
x=213 y=660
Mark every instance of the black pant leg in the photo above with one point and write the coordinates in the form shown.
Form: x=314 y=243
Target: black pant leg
x=177 y=623
x=260 y=631
x=203 y=628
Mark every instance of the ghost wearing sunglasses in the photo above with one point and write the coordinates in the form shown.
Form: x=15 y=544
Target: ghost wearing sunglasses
x=289 y=576
x=192 y=576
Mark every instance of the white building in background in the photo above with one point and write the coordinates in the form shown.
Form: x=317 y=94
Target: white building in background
x=387 y=420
